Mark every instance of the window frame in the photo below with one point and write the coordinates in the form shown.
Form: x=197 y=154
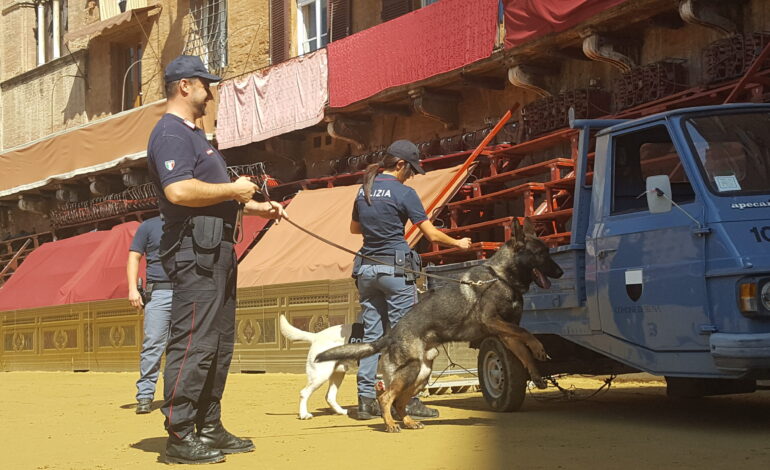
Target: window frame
x=615 y=140
x=302 y=38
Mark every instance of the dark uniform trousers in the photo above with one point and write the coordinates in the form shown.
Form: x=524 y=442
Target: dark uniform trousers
x=201 y=337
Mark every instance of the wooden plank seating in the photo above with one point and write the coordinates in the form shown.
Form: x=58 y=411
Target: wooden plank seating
x=465 y=230
x=557 y=239
x=500 y=154
x=554 y=220
x=556 y=188
x=478 y=250
x=524 y=191
x=550 y=167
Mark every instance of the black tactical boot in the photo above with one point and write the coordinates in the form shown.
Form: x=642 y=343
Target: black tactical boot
x=417 y=409
x=190 y=450
x=217 y=437
x=143 y=406
x=368 y=408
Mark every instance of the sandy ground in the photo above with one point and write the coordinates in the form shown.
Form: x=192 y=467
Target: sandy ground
x=87 y=421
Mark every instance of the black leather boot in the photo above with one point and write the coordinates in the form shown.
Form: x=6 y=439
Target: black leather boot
x=190 y=450
x=417 y=409
x=368 y=408
x=217 y=437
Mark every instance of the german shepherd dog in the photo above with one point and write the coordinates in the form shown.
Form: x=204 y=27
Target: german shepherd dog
x=461 y=312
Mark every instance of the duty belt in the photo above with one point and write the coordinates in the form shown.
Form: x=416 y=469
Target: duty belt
x=159 y=285
x=387 y=260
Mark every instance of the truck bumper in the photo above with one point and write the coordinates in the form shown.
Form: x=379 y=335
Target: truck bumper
x=741 y=352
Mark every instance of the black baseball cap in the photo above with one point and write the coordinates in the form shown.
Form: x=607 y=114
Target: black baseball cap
x=407 y=151
x=188 y=66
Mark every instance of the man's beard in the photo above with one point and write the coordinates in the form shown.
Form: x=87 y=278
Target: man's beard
x=201 y=109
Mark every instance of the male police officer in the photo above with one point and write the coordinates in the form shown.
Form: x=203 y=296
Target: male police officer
x=199 y=204
x=157 y=311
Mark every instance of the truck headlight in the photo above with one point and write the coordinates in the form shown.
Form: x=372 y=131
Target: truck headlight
x=754 y=297
x=764 y=296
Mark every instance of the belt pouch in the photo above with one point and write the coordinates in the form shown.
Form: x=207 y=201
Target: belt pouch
x=399 y=260
x=207 y=235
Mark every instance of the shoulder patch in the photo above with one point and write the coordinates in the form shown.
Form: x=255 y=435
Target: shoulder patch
x=169 y=164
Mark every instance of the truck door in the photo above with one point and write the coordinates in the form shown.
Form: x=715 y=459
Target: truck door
x=649 y=267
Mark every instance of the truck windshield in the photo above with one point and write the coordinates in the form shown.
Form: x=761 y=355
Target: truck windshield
x=733 y=151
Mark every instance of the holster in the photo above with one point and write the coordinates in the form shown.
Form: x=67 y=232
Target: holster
x=146 y=295
x=414 y=262
x=207 y=236
x=357 y=262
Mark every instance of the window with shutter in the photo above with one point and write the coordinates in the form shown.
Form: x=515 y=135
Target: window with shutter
x=279 y=31
x=394 y=8
x=339 y=19
x=312 y=25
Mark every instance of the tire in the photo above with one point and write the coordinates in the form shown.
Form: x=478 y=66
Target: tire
x=502 y=377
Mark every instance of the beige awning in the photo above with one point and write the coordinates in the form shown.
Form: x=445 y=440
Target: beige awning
x=92 y=147
x=105 y=26
x=286 y=255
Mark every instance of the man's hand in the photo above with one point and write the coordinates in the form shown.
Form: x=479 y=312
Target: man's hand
x=463 y=243
x=268 y=210
x=274 y=210
x=243 y=189
x=135 y=298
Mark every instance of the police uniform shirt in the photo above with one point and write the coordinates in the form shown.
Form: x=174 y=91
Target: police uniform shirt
x=147 y=242
x=178 y=151
x=382 y=223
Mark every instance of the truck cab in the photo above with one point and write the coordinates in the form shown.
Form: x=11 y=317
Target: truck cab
x=668 y=266
x=683 y=270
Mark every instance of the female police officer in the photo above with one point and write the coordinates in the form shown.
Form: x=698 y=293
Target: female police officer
x=381 y=209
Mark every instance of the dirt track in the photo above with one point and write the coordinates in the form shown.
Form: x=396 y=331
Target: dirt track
x=87 y=421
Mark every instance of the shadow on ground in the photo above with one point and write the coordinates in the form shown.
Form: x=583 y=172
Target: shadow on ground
x=153 y=445
x=132 y=406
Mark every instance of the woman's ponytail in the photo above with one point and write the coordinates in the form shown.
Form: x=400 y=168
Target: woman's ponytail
x=369 y=175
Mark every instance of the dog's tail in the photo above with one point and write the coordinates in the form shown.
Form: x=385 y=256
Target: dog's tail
x=293 y=333
x=352 y=351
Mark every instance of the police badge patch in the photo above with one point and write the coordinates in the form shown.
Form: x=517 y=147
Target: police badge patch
x=169 y=164
x=634 y=284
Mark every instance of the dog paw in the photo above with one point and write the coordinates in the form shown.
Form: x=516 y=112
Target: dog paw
x=540 y=383
x=393 y=428
x=306 y=416
x=414 y=425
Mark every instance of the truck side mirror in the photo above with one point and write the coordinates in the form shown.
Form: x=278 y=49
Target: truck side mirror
x=658 y=194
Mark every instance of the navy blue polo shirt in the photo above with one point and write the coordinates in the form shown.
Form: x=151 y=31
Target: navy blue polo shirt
x=177 y=151
x=382 y=223
x=147 y=242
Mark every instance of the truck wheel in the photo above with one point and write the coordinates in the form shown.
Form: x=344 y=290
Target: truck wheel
x=502 y=377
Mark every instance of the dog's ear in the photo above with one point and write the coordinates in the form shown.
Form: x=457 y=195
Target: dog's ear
x=517 y=231
x=529 y=228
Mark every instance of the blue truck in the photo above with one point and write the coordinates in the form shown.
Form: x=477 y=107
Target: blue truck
x=668 y=266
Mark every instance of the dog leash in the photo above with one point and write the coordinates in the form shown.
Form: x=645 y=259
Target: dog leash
x=376 y=261
x=237 y=233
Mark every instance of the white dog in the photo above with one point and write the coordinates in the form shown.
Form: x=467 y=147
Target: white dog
x=320 y=372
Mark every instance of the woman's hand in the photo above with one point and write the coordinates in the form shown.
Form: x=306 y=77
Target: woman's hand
x=463 y=243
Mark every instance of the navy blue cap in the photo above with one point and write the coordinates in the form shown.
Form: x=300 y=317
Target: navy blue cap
x=407 y=151
x=188 y=66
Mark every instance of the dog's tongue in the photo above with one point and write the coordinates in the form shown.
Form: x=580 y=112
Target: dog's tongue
x=540 y=279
